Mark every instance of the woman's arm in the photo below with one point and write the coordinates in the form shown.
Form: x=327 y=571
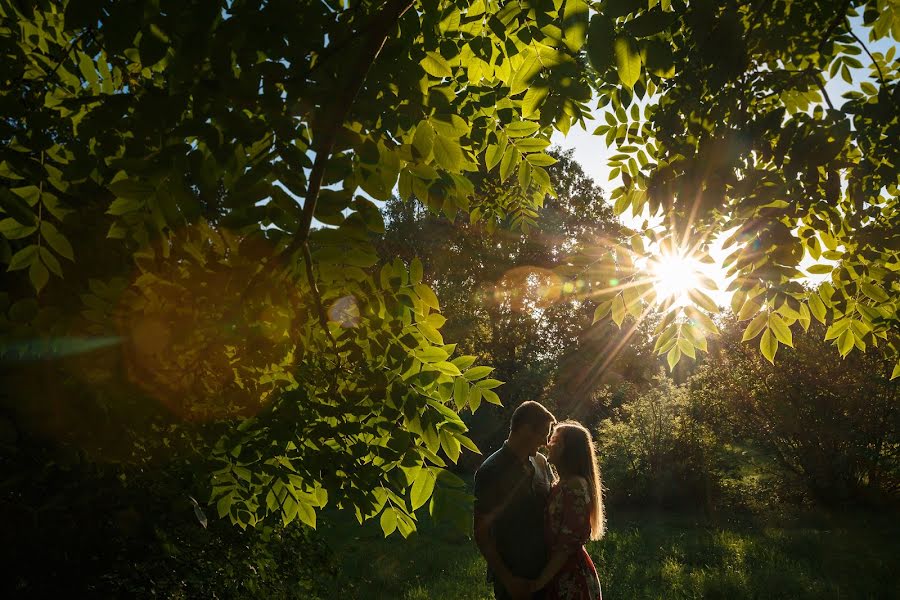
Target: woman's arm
x=556 y=562
x=574 y=529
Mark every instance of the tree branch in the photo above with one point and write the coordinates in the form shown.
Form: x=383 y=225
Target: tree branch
x=325 y=134
x=840 y=17
x=872 y=58
x=818 y=82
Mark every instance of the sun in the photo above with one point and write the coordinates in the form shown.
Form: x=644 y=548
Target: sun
x=674 y=276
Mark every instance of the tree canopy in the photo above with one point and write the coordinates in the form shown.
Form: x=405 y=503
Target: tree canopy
x=164 y=162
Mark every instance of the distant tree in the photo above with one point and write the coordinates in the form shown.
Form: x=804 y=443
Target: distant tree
x=833 y=425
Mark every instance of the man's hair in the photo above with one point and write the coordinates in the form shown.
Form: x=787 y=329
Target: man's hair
x=530 y=413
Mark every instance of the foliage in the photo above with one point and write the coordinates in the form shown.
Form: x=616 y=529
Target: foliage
x=833 y=427
x=738 y=137
x=502 y=300
x=76 y=527
x=187 y=132
x=655 y=449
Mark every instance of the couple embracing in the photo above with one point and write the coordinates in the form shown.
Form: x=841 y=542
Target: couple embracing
x=531 y=525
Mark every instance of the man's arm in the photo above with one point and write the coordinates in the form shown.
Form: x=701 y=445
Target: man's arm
x=489 y=501
x=484 y=539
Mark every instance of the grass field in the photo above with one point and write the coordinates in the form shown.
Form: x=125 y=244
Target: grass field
x=646 y=555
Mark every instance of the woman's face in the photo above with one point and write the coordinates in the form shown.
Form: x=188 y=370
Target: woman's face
x=555 y=447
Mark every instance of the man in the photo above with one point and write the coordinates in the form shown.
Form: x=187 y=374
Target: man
x=511 y=489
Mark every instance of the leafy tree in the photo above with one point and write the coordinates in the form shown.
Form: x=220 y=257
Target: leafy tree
x=187 y=131
x=503 y=302
x=832 y=426
x=740 y=137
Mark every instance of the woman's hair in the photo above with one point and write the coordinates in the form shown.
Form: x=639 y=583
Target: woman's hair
x=578 y=458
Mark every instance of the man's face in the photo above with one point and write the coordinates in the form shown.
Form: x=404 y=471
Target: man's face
x=538 y=436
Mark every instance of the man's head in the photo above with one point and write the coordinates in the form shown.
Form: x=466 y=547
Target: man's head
x=530 y=426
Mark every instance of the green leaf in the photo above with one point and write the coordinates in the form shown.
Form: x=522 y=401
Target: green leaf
x=450 y=126
x=447 y=153
x=17 y=208
x=845 y=342
x=524 y=175
x=450 y=444
x=540 y=160
x=476 y=373
x=447 y=368
x=422 y=488
x=490 y=396
x=703 y=300
x=602 y=310
x=153 y=45
x=11 y=229
x=388 y=521
x=686 y=347
x=820 y=269
x=531 y=144
x=88 y=71
x=38 y=274
x=50 y=260
x=781 y=330
x=23 y=258
x=435 y=65
x=521 y=129
x=460 y=392
x=618 y=309
x=896 y=372
x=874 y=291
x=600 y=42
x=673 y=357
x=768 y=345
x=650 y=23
x=628 y=60
x=533 y=100
x=423 y=140
x=575 y=24
x=57 y=240
x=817 y=307
x=307 y=514
x=432 y=354
x=427 y=295
x=758 y=323
x=522 y=78
x=431 y=334
x=509 y=161
x=492 y=156
x=415 y=271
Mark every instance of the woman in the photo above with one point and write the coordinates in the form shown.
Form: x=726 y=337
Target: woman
x=574 y=515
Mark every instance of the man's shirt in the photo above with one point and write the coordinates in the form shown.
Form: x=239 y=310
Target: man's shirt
x=512 y=495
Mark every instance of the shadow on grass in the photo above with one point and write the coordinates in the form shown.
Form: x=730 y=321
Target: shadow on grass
x=643 y=555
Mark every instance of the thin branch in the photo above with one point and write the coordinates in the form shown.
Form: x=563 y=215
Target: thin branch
x=840 y=17
x=324 y=138
x=818 y=82
x=872 y=58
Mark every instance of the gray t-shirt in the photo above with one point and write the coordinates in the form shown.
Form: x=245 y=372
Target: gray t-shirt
x=512 y=494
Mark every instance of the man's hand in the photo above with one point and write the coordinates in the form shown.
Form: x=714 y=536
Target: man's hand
x=518 y=588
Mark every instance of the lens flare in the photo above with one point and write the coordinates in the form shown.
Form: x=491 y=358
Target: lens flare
x=674 y=276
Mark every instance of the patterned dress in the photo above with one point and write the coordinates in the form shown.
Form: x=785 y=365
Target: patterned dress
x=568 y=524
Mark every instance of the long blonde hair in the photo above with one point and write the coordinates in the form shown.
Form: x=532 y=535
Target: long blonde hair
x=578 y=458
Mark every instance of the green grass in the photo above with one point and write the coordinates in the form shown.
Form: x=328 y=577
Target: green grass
x=645 y=555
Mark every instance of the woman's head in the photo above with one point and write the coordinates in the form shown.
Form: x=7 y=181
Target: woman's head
x=572 y=453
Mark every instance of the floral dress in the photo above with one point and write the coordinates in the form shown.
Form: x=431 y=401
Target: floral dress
x=568 y=524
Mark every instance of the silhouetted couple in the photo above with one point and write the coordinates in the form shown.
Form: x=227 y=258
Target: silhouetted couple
x=531 y=525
